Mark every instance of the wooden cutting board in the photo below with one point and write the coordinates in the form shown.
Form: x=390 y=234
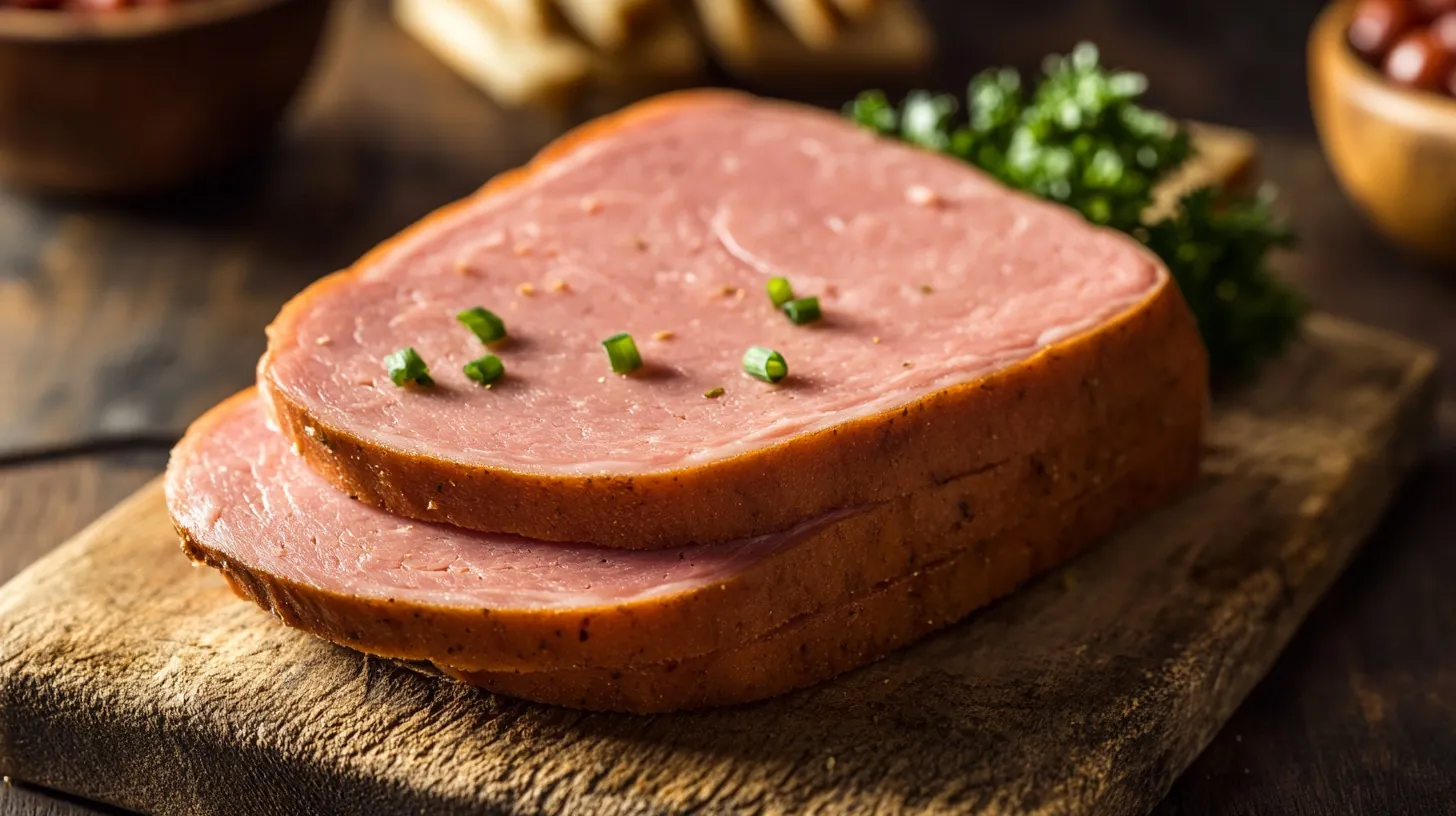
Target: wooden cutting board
x=130 y=677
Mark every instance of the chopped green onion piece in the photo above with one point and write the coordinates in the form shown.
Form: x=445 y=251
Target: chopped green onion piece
x=622 y=352
x=765 y=364
x=485 y=323
x=780 y=292
x=407 y=366
x=486 y=370
x=714 y=393
x=802 y=310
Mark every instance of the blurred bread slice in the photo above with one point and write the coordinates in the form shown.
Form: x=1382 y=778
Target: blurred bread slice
x=856 y=9
x=810 y=20
x=523 y=17
x=731 y=28
x=661 y=55
x=895 y=40
x=516 y=70
x=1224 y=154
x=609 y=24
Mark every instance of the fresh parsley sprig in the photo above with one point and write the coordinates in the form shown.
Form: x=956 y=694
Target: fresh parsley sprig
x=1080 y=138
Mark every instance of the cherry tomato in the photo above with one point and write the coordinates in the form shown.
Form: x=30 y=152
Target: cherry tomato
x=1377 y=25
x=1418 y=61
x=1443 y=28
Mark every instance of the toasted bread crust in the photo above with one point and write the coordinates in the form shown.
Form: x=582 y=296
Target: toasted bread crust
x=952 y=431
x=1154 y=443
x=815 y=648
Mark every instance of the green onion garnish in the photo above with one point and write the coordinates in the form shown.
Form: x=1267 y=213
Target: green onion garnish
x=485 y=323
x=765 y=364
x=486 y=370
x=802 y=310
x=407 y=366
x=714 y=393
x=622 y=352
x=780 y=292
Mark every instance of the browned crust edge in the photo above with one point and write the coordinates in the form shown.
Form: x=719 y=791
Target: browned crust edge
x=871 y=459
x=1155 y=438
x=815 y=648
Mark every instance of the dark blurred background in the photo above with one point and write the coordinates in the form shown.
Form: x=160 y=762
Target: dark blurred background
x=1239 y=63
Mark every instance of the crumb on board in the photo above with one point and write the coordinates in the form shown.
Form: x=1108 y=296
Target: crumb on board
x=323 y=340
x=526 y=289
x=560 y=286
x=663 y=335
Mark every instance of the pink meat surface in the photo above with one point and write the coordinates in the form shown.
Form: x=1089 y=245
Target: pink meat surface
x=928 y=272
x=240 y=491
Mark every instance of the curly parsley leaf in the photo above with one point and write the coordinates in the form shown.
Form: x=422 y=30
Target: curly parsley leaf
x=1218 y=251
x=1080 y=138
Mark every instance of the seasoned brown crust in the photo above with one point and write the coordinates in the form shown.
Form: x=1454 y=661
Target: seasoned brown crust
x=1154 y=441
x=953 y=431
x=815 y=648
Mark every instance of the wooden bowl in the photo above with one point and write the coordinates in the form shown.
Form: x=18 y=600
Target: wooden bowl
x=1393 y=149
x=140 y=100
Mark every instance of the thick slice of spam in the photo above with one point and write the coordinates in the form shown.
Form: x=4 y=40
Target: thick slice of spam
x=964 y=324
x=356 y=575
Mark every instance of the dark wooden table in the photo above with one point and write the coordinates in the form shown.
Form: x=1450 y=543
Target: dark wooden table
x=120 y=324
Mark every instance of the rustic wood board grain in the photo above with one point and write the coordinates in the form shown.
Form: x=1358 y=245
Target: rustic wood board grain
x=129 y=677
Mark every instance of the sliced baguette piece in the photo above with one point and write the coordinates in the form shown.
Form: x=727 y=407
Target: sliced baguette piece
x=731 y=28
x=1222 y=155
x=514 y=70
x=610 y=24
x=664 y=54
x=529 y=18
x=811 y=21
x=856 y=9
x=893 y=40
